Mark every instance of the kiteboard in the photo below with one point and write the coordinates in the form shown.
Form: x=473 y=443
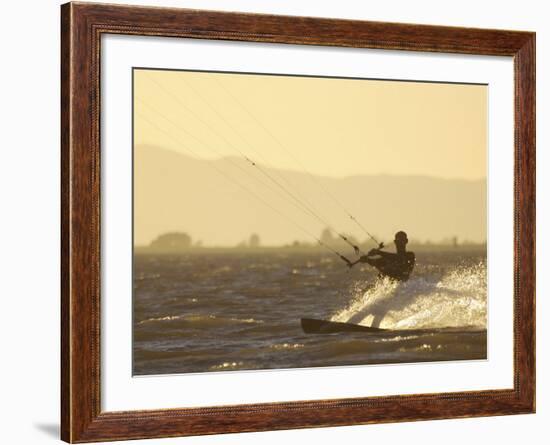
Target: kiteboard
x=314 y=326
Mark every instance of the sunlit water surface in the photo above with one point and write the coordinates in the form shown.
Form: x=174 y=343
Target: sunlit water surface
x=234 y=310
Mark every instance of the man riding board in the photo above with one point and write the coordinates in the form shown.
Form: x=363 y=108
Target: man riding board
x=397 y=266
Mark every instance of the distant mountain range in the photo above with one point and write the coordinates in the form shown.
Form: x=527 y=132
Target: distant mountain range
x=177 y=193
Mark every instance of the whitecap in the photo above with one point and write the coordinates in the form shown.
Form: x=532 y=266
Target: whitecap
x=457 y=299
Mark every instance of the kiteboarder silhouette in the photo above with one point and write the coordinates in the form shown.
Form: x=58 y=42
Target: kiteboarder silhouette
x=394 y=265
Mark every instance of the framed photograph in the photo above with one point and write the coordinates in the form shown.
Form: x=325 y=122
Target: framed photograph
x=274 y=222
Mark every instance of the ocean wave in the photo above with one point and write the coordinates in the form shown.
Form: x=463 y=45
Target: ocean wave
x=166 y=318
x=397 y=338
x=226 y=366
x=286 y=346
x=457 y=299
x=201 y=319
x=142 y=277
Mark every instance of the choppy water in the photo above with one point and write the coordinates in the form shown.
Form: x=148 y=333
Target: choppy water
x=232 y=310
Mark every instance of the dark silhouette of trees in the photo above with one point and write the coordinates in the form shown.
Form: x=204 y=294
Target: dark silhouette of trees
x=326 y=236
x=254 y=240
x=172 y=241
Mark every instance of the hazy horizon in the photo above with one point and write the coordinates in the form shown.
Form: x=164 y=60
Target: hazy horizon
x=295 y=170
x=178 y=193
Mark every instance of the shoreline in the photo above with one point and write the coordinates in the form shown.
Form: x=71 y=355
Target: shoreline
x=146 y=250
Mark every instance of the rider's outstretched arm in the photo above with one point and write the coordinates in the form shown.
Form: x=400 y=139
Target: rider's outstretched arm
x=363 y=259
x=383 y=254
x=372 y=261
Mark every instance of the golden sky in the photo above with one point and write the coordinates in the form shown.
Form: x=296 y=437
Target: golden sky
x=332 y=127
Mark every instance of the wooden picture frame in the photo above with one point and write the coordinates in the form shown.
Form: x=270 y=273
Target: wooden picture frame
x=82 y=25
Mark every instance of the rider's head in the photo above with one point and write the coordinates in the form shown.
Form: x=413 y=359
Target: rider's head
x=400 y=240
